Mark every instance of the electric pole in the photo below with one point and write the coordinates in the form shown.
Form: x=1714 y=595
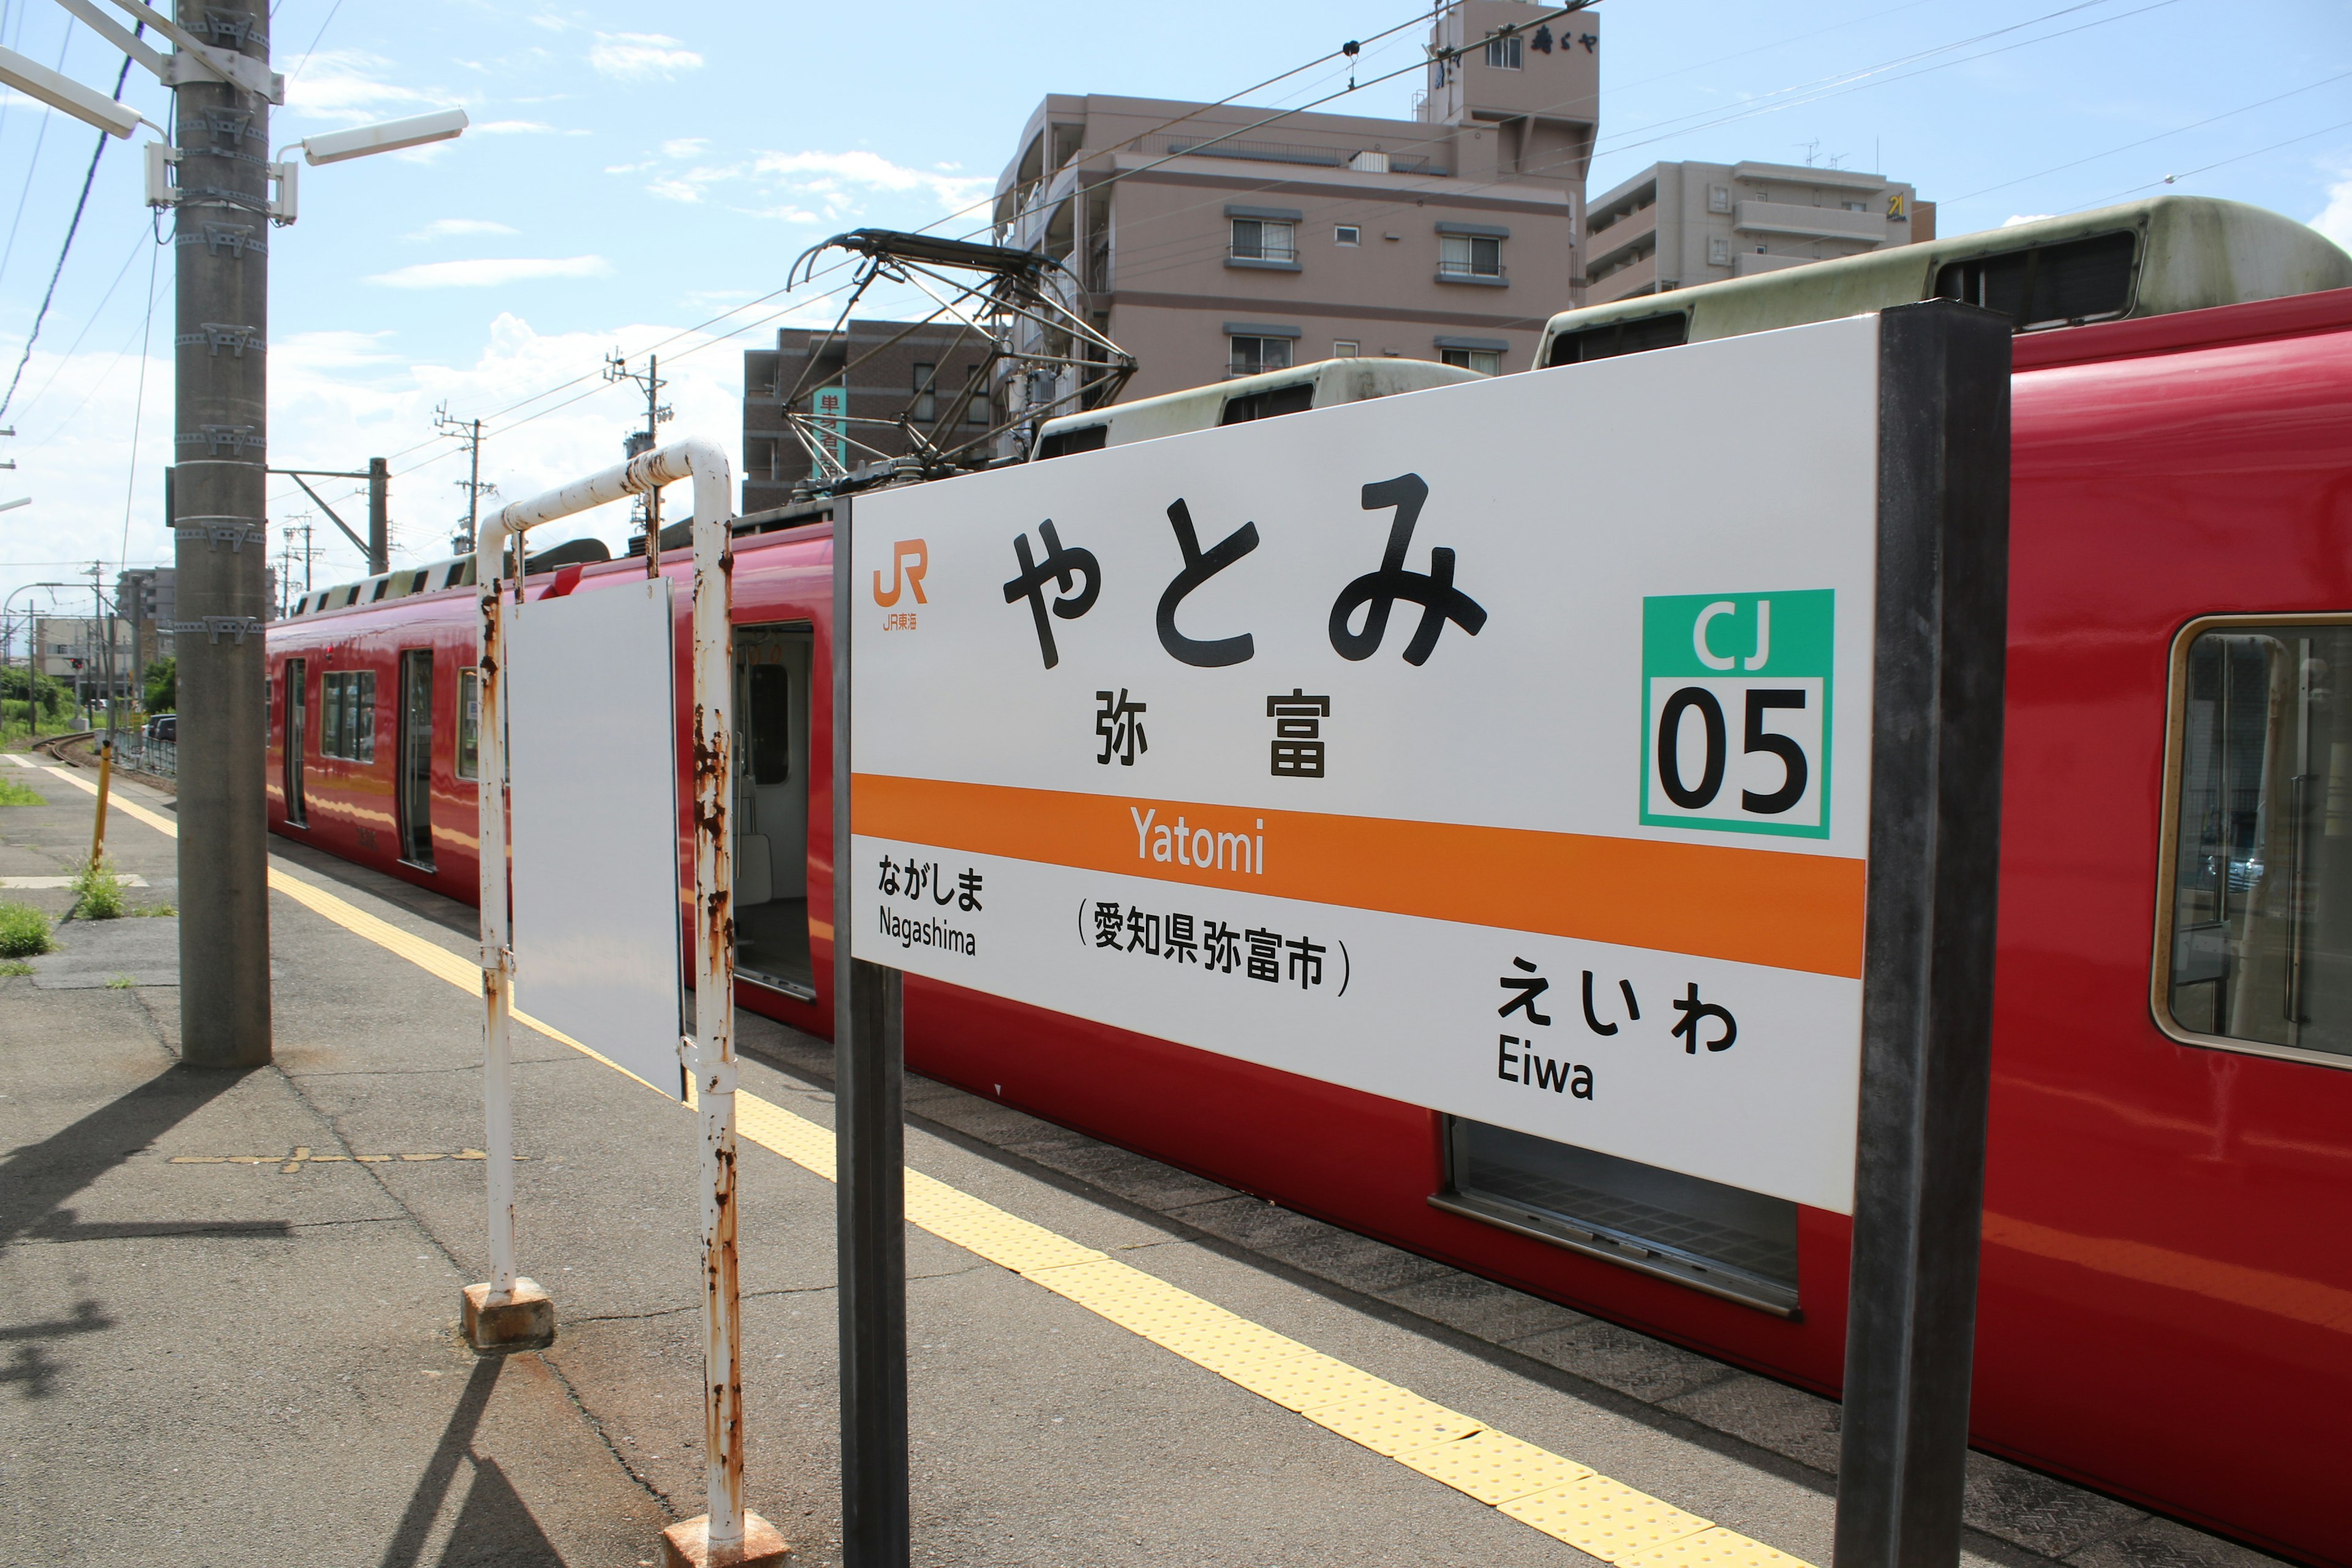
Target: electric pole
x=470 y=431
x=220 y=443
x=222 y=207
x=645 y=440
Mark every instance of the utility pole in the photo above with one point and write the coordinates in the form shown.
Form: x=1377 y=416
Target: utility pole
x=222 y=207
x=220 y=447
x=470 y=431
x=645 y=440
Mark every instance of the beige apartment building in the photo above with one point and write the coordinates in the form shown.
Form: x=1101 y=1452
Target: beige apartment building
x=1676 y=224
x=1208 y=254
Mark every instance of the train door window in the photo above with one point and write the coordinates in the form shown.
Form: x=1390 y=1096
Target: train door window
x=772 y=666
x=347 y=727
x=469 y=724
x=297 y=739
x=2257 y=909
x=1738 y=1244
x=415 y=795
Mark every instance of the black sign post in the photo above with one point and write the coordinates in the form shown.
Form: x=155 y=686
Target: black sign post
x=870 y=1173
x=1928 y=971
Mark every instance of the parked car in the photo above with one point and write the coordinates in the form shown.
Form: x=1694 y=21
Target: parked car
x=164 y=726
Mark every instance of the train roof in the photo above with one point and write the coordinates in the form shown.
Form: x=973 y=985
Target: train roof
x=2150 y=258
x=1319 y=384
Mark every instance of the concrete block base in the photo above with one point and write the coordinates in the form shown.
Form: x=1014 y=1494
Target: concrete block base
x=688 y=1545
x=524 y=1322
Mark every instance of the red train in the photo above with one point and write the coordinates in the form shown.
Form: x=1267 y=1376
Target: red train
x=2167 y=1309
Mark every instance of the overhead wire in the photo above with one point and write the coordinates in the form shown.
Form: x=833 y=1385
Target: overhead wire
x=2160 y=136
x=33 y=165
x=2218 y=163
x=81 y=204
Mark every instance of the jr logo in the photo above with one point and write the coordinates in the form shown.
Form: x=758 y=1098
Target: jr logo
x=908 y=559
x=1763 y=662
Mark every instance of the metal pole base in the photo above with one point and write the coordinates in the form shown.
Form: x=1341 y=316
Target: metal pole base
x=525 y=1322
x=687 y=1544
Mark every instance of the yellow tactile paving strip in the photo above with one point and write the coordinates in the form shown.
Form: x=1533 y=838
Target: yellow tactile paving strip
x=1564 y=1500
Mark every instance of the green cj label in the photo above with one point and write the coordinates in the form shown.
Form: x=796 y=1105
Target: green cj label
x=1735 y=710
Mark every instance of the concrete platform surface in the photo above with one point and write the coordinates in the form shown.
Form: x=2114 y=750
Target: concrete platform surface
x=229 y=1305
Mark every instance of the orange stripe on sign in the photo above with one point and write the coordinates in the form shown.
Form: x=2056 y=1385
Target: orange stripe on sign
x=1753 y=906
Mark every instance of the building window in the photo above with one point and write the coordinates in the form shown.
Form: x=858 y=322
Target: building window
x=1252 y=356
x=976 y=411
x=926 y=406
x=1503 y=54
x=347 y=728
x=1719 y=251
x=1347 y=234
x=1345 y=348
x=1262 y=239
x=1718 y=198
x=2260 y=925
x=1469 y=256
x=1485 y=361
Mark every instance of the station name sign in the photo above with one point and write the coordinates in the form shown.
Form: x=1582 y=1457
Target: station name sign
x=1502 y=748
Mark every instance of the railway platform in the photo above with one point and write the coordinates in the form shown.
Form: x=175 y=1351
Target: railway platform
x=229 y=1305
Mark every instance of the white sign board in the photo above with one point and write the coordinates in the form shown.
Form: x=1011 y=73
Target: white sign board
x=592 y=792
x=1501 y=748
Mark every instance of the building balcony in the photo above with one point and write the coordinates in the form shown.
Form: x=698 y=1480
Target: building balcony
x=1810 y=223
x=1497 y=277
x=1634 y=228
x=1747 y=264
x=1637 y=278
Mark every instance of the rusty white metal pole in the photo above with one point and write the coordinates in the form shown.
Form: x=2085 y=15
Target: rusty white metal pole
x=498 y=949
x=713 y=736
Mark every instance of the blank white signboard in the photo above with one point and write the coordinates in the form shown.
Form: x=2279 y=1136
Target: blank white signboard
x=592 y=793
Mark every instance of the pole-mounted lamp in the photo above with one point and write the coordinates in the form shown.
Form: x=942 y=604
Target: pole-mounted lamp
x=91 y=107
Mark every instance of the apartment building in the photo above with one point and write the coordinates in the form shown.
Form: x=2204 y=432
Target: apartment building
x=58 y=641
x=1675 y=225
x=1208 y=248
x=901 y=370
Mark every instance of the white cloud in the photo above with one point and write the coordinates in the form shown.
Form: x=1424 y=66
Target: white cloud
x=630 y=56
x=675 y=190
x=346 y=84
x=683 y=147
x=485 y=271
x=2015 y=218
x=874 y=172
x=2335 y=220
x=443 y=227
x=511 y=128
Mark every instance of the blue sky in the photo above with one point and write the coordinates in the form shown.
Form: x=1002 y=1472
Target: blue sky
x=631 y=174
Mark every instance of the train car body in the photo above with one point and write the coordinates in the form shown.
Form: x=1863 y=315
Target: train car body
x=2167 y=1296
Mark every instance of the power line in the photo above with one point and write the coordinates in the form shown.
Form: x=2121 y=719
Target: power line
x=81 y=203
x=2175 y=131
x=32 y=167
x=2238 y=158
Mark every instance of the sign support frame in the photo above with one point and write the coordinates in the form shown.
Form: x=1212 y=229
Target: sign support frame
x=1932 y=903
x=869 y=1171
x=509 y=1312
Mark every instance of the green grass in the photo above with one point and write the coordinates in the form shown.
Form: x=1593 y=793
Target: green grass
x=14 y=794
x=11 y=967
x=159 y=911
x=24 y=932
x=97 y=891
x=121 y=982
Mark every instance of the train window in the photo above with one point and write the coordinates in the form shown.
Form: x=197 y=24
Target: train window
x=347 y=724
x=1730 y=1243
x=2046 y=286
x=2258 y=912
x=1269 y=404
x=1670 y=330
x=469 y=724
x=1084 y=439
